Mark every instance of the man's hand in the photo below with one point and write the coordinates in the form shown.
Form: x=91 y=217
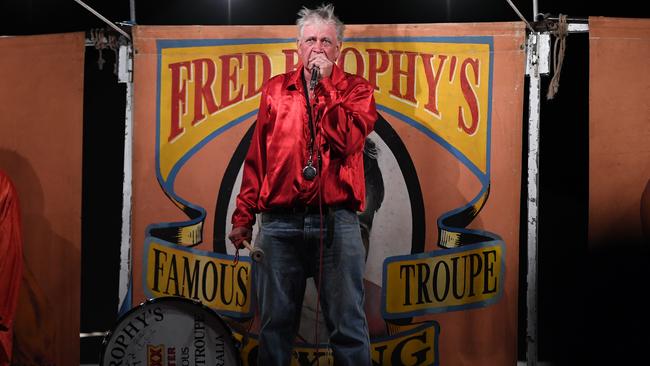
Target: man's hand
x=324 y=65
x=238 y=235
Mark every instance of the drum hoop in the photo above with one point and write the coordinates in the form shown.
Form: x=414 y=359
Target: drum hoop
x=177 y=299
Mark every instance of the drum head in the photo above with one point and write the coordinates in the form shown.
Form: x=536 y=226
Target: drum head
x=170 y=331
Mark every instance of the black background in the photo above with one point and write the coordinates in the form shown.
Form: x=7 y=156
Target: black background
x=577 y=324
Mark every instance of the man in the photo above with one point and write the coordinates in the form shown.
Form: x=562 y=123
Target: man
x=304 y=173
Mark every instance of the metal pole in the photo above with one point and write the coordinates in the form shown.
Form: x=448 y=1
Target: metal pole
x=132 y=11
x=538 y=52
x=126 y=76
x=531 y=277
x=512 y=5
x=229 y=14
x=111 y=24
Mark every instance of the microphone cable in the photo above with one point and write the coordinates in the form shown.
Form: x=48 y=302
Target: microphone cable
x=316 y=136
x=320 y=237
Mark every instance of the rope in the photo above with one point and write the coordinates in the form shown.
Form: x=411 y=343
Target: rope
x=560 y=30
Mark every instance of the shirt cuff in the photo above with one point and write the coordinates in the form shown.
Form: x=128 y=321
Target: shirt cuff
x=243 y=222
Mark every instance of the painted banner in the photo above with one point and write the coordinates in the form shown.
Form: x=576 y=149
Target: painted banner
x=619 y=158
x=41 y=138
x=443 y=181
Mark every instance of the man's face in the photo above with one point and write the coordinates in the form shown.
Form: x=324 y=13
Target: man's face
x=318 y=38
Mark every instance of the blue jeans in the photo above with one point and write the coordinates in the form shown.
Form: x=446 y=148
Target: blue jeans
x=291 y=244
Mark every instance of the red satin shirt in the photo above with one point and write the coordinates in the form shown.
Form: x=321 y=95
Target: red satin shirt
x=344 y=114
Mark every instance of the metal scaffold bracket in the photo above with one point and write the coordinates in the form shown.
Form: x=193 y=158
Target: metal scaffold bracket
x=538 y=54
x=125 y=64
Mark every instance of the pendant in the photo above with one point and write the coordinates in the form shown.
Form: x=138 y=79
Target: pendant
x=309 y=171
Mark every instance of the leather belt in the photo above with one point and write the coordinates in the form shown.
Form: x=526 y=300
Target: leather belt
x=328 y=213
x=305 y=210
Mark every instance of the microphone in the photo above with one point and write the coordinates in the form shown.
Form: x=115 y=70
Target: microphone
x=314 y=77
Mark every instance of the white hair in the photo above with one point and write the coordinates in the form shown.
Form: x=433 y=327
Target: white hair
x=322 y=14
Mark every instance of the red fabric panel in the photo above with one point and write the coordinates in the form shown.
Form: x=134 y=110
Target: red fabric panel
x=11 y=263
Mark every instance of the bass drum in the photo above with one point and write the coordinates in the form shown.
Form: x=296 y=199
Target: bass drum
x=170 y=331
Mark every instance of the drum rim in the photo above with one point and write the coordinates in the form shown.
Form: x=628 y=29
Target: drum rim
x=172 y=298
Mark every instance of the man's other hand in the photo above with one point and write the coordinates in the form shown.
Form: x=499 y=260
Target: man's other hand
x=238 y=235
